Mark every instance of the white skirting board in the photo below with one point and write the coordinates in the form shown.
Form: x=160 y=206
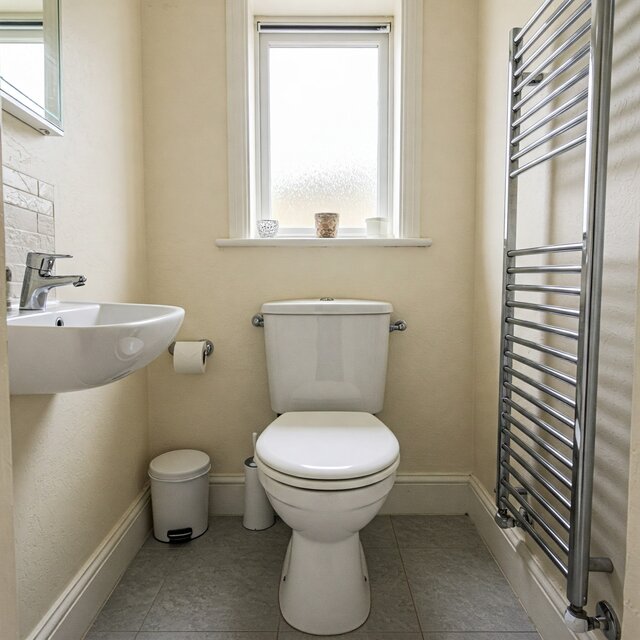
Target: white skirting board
x=444 y=494
x=448 y=494
x=540 y=596
x=441 y=494
x=73 y=612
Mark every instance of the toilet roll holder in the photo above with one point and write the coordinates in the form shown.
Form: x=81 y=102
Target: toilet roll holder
x=207 y=351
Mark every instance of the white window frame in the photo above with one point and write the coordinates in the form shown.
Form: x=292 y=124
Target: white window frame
x=406 y=151
x=329 y=39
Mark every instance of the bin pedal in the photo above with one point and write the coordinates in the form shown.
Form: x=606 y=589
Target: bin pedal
x=180 y=535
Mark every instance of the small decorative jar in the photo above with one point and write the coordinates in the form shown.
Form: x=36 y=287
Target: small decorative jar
x=377 y=227
x=327 y=225
x=267 y=228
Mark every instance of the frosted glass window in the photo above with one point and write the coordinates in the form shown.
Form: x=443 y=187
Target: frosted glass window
x=323 y=111
x=325 y=124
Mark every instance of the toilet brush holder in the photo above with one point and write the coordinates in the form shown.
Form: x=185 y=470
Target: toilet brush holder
x=258 y=513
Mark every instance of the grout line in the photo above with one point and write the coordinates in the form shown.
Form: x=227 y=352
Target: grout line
x=393 y=530
x=279 y=619
x=164 y=579
x=406 y=577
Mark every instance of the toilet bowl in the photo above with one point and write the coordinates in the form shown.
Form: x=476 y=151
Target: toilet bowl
x=326 y=474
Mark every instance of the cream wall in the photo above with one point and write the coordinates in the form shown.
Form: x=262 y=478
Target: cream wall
x=428 y=401
x=620 y=268
x=8 y=597
x=632 y=575
x=79 y=459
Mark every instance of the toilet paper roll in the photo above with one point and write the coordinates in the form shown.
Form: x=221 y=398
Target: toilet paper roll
x=190 y=357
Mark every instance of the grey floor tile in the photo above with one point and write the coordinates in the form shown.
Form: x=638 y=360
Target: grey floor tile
x=439 y=532
x=362 y=635
x=378 y=533
x=392 y=609
x=391 y=604
x=204 y=635
x=132 y=598
x=462 y=590
x=110 y=635
x=481 y=636
x=221 y=590
x=227 y=531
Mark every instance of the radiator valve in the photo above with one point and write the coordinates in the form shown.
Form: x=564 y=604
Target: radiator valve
x=605 y=620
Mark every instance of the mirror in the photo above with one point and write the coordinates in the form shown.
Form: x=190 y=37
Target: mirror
x=30 y=70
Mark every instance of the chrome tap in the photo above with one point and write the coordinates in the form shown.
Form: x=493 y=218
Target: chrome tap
x=39 y=280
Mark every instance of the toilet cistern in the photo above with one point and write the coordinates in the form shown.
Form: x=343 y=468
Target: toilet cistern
x=39 y=280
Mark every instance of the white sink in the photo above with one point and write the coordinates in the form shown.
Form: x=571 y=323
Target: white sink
x=73 y=346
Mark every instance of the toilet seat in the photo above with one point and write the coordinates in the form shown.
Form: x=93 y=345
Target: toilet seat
x=326 y=485
x=327 y=450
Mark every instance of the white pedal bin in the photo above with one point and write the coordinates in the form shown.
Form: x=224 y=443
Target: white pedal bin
x=180 y=495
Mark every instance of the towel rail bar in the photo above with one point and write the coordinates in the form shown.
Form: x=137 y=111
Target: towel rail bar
x=544 y=288
x=543 y=368
x=547 y=268
x=550 y=248
x=550 y=351
x=545 y=308
x=547 y=328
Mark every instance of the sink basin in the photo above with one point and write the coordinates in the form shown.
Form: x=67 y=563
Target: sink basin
x=73 y=346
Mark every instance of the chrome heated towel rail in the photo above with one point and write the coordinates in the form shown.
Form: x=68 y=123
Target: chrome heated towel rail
x=559 y=89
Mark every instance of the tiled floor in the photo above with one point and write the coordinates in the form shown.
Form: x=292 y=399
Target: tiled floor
x=432 y=578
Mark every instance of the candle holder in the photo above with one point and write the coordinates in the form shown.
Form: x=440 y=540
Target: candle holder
x=267 y=228
x=327 y=225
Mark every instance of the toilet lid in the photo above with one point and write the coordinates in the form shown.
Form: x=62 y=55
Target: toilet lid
x=327 y=445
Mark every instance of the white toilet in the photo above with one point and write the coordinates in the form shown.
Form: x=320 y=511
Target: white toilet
x=326 y=463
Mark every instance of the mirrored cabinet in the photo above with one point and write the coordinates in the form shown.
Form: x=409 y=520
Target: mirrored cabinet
x=30 y=65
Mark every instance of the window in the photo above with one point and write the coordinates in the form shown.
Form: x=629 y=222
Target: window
x=324 y=124
x=22 y=60
x=324 y=114
x=30 y=82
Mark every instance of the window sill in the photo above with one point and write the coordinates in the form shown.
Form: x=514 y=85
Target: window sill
x=324 y=242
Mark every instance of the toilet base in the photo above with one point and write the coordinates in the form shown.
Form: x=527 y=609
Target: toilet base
x=324 y=587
